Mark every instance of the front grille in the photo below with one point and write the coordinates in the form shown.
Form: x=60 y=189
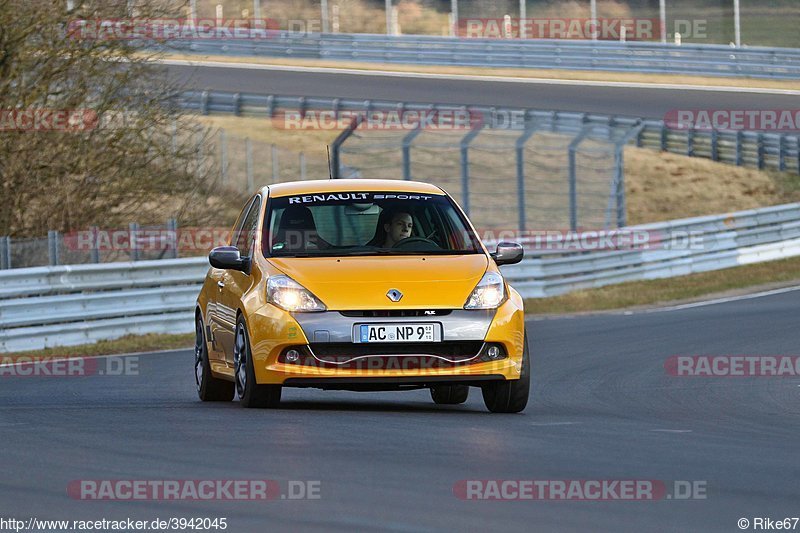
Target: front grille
x=381 y=313
x=451 y=349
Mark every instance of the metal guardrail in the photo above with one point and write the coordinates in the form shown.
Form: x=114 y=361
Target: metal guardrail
x=698 y=59
x=779 y=151
x=68 y=305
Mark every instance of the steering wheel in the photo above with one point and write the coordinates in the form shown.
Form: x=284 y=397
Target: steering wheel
x=410 y=242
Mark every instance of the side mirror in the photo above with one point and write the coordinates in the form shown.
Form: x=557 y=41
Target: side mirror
x=228 y=258
x=508 y=253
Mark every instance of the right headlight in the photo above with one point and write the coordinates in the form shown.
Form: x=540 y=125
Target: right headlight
x=289 y=295
x=489 y=293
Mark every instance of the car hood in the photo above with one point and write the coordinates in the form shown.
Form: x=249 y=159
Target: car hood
x=427 y=282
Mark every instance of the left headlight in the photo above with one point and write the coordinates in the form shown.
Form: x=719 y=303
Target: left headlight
x=289 y=295
x=489 y=293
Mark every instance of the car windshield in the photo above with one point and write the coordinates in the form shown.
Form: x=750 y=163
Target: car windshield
x=366 y=223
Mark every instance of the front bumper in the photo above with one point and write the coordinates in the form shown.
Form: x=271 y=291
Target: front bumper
x=320 y=336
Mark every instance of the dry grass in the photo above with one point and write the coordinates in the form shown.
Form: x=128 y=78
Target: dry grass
x=123 y=345
x=725 y=282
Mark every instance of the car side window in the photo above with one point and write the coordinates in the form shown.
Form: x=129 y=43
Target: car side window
x=244 y=237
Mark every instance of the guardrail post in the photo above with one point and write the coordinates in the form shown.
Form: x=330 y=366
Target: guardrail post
x=133 y=230
x=270 y=106
x=275 y=164
x=714 y=145
x=407 y=140
x=782 y=152
x=302 y=166
x=739 y=136
x=237 y=104
x=5 y=253
x=690 y=142
x=760 y=150
x=204 y=103
x=335 y=105
x=172 y=232
x=52 y=247
x=301 y=106
x=664 y=132
x=95 y=245
x=797 y=140
x=465 y=166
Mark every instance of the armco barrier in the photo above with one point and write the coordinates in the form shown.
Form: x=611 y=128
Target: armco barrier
x=697 y=59
x=68 y=305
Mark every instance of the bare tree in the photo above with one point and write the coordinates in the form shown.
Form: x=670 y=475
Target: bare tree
x=141 y=160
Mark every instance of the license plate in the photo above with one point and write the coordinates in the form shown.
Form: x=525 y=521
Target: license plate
x=367 y=333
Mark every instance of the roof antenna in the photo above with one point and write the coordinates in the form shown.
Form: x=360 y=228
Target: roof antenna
x=330 y=169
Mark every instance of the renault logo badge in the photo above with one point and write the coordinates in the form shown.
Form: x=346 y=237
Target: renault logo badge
x=394 y=295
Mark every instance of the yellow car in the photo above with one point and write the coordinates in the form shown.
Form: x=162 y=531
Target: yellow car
x=361 y=285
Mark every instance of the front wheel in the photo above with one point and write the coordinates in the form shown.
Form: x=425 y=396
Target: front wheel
x=449 y=394
x=209 y=388
x=251 y=394
x=510 y=396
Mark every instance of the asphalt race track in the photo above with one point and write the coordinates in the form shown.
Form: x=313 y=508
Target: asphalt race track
x=603 y=408
x=645 y=102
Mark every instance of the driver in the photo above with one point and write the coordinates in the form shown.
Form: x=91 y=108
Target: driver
x=398 y=228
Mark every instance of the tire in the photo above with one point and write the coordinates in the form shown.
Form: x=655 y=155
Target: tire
x=251 y=394
x=209 y=388
x=510 y=396
x=449 y=394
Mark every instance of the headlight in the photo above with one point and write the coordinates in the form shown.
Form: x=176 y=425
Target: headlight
x=489 y=293
x=289 y=295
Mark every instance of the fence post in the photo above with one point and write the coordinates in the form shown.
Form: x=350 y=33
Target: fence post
x=465 y=166
x=760 y=150
x=52 y=247
x=223 y=157
x=248 y=148
x=95 y=245
x=663 y=137
x=275 y=163
x=573 y=178
x=172 y=231
x=407 y=140
x=133 y=230
x=302 y=166
x=522 y=216
x=690 y=142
